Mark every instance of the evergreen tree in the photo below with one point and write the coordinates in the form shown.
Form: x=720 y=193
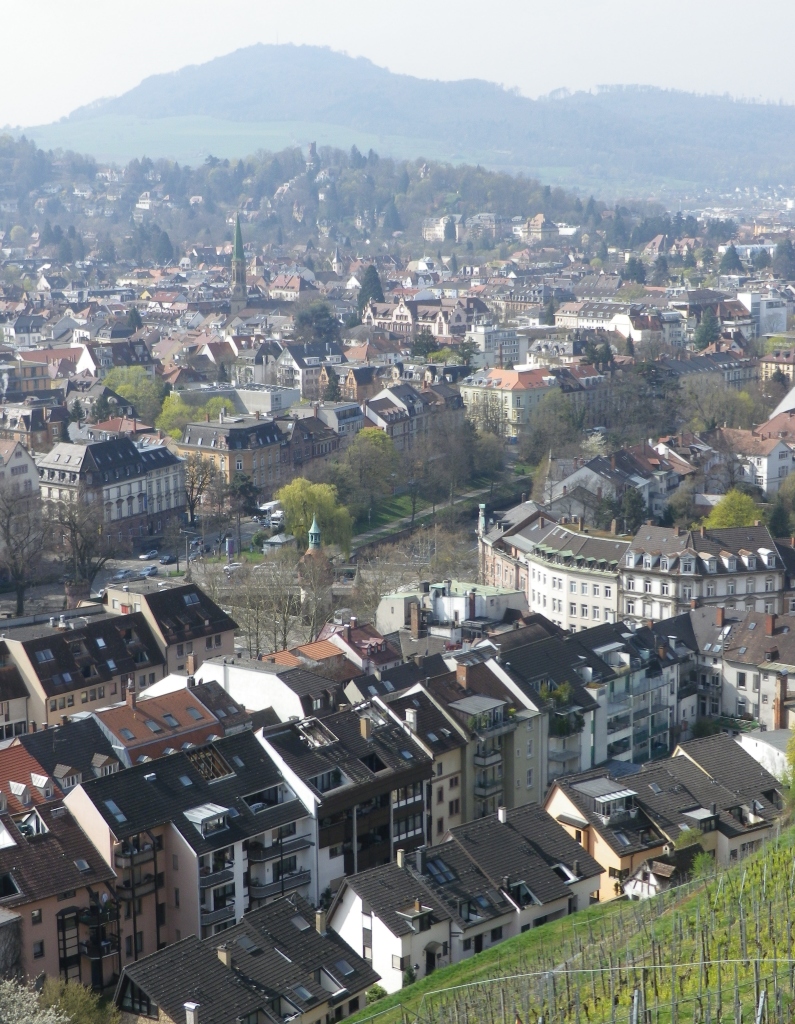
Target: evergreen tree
x=660 y=275
x=134 y=319
x=633 y=509
x=708 y=331
x=333 y=391
x=453 y=264
x=761 y=260
x=778 y=522
x=164 y=250
x=449 y=230
x=730 y=262
x=76 y=414
x=784 y=260
x=548 y=316
x=391 y=217
x=371 y=289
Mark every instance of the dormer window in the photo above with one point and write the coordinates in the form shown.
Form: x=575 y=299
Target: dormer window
x=732 y=564
x=647 y=561
x=687 y=565
x=664 y=563
x=712 y=565
x=771 y=561
x=752 y=561
x=630 y=559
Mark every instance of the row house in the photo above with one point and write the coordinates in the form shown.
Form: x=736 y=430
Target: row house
x=442 y=318
x=665 y=569
x=487 y=882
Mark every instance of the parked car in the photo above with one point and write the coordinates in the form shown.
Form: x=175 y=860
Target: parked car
x=148 y=555
x=123 y=574
x=150 y=570
x=168 y=560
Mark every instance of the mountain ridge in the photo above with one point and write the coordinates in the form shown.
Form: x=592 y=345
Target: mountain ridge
x=616 y=137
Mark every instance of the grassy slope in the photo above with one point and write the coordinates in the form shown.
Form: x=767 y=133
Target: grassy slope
x=737 y=917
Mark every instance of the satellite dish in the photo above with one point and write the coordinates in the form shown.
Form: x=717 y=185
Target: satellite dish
x=103 y=899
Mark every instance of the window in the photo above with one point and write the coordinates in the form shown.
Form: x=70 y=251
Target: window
x=749 y=586
x=687 y=592
x=454 y=782
x=573 y=609
x=594 y=612
x=400 y=963
x=608 y=590
x=38 y=949
x=630 y=607
x=584 y=611
x=35 y=916
x=529 y=778
x=741 y=705
x=208 y=643
x=665 y=588
x=454 y=807
x=440 y=826
x=710 y=590
x=647 y=586
x=731 y=587
x=176 y=897
x=465 y=945
x=687 y=565
x=583 y=588
x=741 y=680
x=496 y=934
x=630 y=583
x=595 y=589
x=440 y=795
x=530 y=748
x=572 y=587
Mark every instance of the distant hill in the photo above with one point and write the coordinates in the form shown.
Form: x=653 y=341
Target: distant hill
x=273 y=96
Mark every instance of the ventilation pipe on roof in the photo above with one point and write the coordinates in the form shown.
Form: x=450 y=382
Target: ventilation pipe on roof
x=502 y=815
x=191 y=1013
x=400 y=858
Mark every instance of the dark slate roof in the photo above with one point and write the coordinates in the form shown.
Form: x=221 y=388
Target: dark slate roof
x=12 y=686
x=749 y=644
x=723 y=759
x=433 y=729
x=150 y=803
x=656 y=540
x=313 y=747
x=389 y=889
x=180 y=621
x=96 y=650
x=232 y=715
x=44 y=865
x=75 y=745
x=191 y=971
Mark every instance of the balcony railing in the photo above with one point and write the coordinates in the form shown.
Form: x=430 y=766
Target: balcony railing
x=126 y=891
x=488 y=788
x=216 y=916
x=259 y=854
x=99 y=950
x=125 y=858
x=216 y=878
x=286 y=884
x=488 y=760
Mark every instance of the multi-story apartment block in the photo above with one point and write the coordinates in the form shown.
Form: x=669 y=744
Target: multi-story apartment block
x=240 y=444
x=665 y=569
x=196 y=840
x=502 y=400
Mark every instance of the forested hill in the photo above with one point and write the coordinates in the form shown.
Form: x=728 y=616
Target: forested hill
x=286 y=94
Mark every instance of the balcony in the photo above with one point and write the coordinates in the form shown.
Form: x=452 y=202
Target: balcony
x=488 y=787
x=286 y=884
x=125 y=858
x=488 y=760
x=216 y=878
x=658 y=730
x=126 y=891
x=615 y=725
x=640 y=713
x=95 y=917
x=209 y=917
x=99 y=950
x=259 y=854
x=640 y=737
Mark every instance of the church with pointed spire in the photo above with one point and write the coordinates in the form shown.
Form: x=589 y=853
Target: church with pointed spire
x=238 y=292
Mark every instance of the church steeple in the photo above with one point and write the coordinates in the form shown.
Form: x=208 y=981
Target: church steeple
x=238 y=290
x=314 y=535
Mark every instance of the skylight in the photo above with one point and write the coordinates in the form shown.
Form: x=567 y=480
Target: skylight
x=654 y=787
x=622 y=839
x=116 y=811
x=111 y=664
x=126 y=734
x=45 y=655
x=300 y=922
x=407 y=755
x=752 y=625
x=238 y=761
x=190 y=599
x=433 y=737
x=388 y=686
x=743 y=650
x=439 y=871
x=170 y=720
x=100 y=642
x=343 y=967
x=302 y=993
x=186 y=781
x=195 y=714
x=153 y=726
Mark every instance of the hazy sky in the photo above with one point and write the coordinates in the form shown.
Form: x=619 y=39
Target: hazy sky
x=61 y=55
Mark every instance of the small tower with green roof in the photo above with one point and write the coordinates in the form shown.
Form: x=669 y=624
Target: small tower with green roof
x=314 y=535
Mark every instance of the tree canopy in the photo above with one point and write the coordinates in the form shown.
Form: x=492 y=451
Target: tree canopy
x=146 y=393
x=371 y=289
x=730 y=262
x=708 y=331
x=315 y=322
x=734 y=509
x=303 y=500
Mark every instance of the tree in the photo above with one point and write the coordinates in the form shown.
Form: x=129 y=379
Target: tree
x=76 y=413
x=164 y=250
x=449 y=229
x=146 y=393
x=424 y=343
x=784 y=260
x=370 y=461
x=315 y=322
x=134 y=319
x=708 y=331
x=761 y=259
x=633 y=509
x=23 y=539
x=730 y=262
x=734 y=509
x=371 y=289
x=19 y=1004
x=303 y=500
x=778 y=518
x=199 y=474
x=634 y=270
x=242 y=496
x=87 y=544
x=80 y=1004
x=101 y=409
x=548 y=316
x=333 y=391
x=453 y=264
x=661 y=273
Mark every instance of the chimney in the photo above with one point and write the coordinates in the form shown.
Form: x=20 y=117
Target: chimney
x=414 y=611
x=191 y=682
x=417 y=906
x=225 y=955
x=757 y=522
x=320 y=922
x=461 y=674
x=191 y=1013
x=779 y=715
x=719 y=617
x=677 y=531
x=575 y=868
x=614 y=526
x=419 y=660
x=365 y=727
x=411 y=719
x=354 y=620
x=206 y=417
x=400 y=858
x=64 y=719
x=132 y=699
x=524 y=497
x=770 y=625
x=702 y=530
x=662 y=651
x=502 y=815
x=419 y=860
x=713 y=808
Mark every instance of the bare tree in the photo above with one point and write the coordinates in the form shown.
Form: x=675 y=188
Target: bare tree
x=85 y=540
x=199 y=475
x=22 y=535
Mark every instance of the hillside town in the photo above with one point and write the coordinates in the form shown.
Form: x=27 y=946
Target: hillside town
x=474 y=551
